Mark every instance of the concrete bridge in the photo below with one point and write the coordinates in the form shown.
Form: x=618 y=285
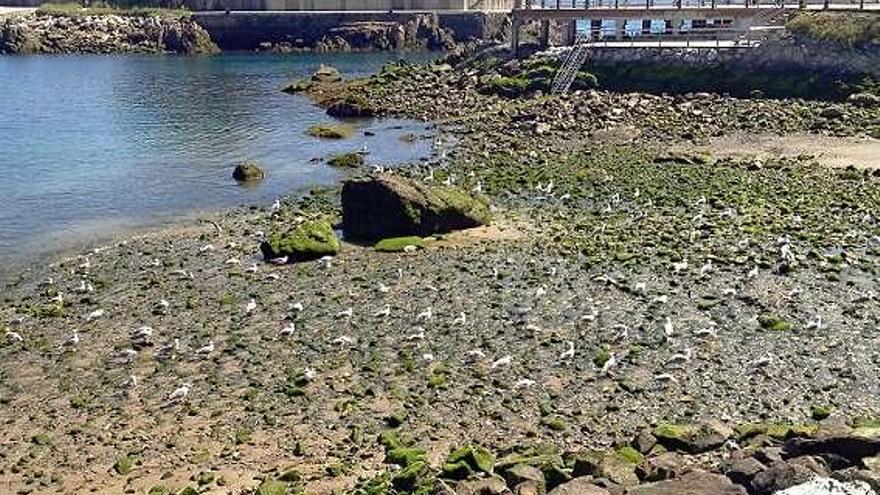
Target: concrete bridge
x=697 y=23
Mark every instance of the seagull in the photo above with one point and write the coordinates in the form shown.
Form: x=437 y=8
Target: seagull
x=425 y=315
x=681 y=357
x=680 y=266
x=167 y=351
x=707 y=331
x=641 y=289
x=348 y=313
x=668 y=329
x=762 y=361
x=623 y=331
x=14 y=337
x=59 y=298
x=568 y=353
x=297 y=306
x=728 y=292
x=281 y=260
x=18 y=320
x=343 y=340
x=706 y=269
x=460 y=320
x=233 y=261
x=250 y=307
x=72 y=341
x=309 y=373
x=430 y=176
x=131 y=383
x=127 y=355
x=786 y=254
x=591 y=316
x=540 y=292
x=428 y=357
x=523 y=383
x=610 y=363
x=660 y=299
x=326 y=261
x=276 y=206
x=206 y=248
x=252 y=269
x=382 y=288
x=418 y=335
x=142 y=332
x=85 y=287
x=290 y=329
x=475 y=354
x=506 y=360
x=478 y=188
x=94 y=315
x=410 y=248
x=665 y=377
x=384 y=312
x=815 y=323
x=207 y=349
x=179 y=393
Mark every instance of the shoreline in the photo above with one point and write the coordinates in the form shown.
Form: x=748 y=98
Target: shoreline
x=722 y=290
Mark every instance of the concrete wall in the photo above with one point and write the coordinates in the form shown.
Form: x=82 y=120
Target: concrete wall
x=319 y=5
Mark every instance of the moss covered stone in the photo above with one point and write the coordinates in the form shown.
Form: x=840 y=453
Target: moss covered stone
x=331 y=131
x=309 y=241
x=273 y=487
x=247 y=172
x=397 y=244
x=124 y=465
x=508 y=87
x=387 y=206
x=469 y=459
x=774 y=323
x=410 y=477
x=692 y=438
x=820 y=412
x=346 y=160
x=404 y=456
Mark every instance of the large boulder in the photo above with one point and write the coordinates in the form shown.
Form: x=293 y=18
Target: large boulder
x=866 y=100
x=692 y=483
x=693 y=438
x=852 y=448
x=579 y=486
x=247 y=172
x=391 y=206
x=308 y=241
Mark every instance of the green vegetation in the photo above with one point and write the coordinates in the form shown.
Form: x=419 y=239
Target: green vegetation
x=331 y=131
x=774 y=323
x=853 y=29
x=124 y=465
x=397 y=244
x=346 y=160
x=308 y=241
x=601 y=357
x=466 y=461
x=121 y=8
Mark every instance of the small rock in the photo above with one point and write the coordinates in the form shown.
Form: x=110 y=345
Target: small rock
x=493 y=485
x=742 y=471
x=782 y=476
x=579 y=486
x=691 y=483
x=326 y=74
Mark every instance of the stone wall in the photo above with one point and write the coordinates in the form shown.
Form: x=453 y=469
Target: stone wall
x=256 y=30
x=319 y=5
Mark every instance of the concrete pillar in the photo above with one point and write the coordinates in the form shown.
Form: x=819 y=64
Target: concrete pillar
x=514 y=35
x=544 y=38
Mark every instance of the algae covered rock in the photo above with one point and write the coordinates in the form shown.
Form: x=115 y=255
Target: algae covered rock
x=397 y=244
x=247 y=172
x=466 y=461
x=351 y=106
x=346 y=160
x=297 y=87
x=693 y=438
x=391 y=206
x=308 y=241
x=331 y=131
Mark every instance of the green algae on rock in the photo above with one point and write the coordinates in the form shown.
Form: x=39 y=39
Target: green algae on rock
x=331 y=131
x=308 y=241
x=397 y=244
x=387 y=206
x=346 y=160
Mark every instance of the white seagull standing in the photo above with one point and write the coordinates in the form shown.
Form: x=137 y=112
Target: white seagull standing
x=179 y=393
x=506 y=360
x=207 y=349
x=14 y=337
x=569 y=352
x=250 y=307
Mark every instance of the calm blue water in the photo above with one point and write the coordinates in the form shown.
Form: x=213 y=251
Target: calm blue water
x=92 y=145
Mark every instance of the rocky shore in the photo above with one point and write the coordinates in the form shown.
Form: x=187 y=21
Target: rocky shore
x=631 y=316
x=102 y=33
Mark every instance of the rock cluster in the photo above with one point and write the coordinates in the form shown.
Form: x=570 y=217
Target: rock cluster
x=39 y=33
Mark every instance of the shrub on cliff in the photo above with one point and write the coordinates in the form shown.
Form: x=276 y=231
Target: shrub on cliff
x=508 y=87
x=853 y=29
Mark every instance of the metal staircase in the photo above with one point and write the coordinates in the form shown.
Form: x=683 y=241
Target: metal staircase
x=572 y=64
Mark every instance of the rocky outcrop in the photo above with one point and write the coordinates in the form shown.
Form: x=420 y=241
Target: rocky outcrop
x=247 y=172
x=46 y=33
x=392 y=206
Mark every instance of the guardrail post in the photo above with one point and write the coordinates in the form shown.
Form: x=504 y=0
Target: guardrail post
x=825 y=5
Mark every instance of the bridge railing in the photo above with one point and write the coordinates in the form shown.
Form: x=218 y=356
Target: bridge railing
x=696 y=38
x=666 y=4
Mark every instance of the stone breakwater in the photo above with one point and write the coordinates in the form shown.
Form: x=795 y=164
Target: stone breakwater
x=39 y=33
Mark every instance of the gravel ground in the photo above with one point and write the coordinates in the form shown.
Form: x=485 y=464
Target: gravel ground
x=619 y=287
